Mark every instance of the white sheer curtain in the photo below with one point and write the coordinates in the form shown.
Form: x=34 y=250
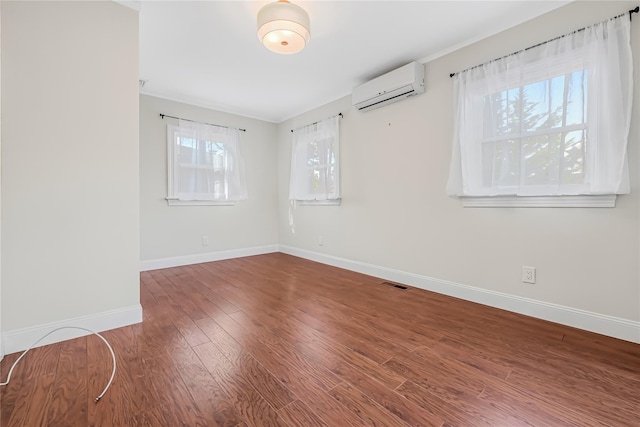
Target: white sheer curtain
x=550 y=120
x=315 y=171
x=207 y=163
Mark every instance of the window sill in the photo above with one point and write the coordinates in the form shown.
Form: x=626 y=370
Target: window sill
x=599 y=201
x=335 y=202
x=177 y=202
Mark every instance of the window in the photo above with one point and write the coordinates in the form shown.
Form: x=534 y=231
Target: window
x=205 y=165
x=552 y=120
x=315 y=166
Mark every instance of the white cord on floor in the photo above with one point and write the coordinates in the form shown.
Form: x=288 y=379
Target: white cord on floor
x=113 y=356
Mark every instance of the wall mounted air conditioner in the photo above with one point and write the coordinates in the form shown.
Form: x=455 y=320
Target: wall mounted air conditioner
x=393 y=86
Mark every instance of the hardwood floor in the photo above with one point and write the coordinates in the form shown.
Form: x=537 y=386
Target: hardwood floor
x=275 y=340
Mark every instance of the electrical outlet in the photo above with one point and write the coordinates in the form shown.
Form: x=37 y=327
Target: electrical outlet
x=528 y=274
x=205 y=240
x=320 y=240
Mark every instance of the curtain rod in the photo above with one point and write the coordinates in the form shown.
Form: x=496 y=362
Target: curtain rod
x=632 y=11
x=193 y=121
x=315 y=123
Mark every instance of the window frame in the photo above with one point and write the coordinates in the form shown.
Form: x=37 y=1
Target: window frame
x=472 y=177
x=509 y=81
x=314 y=133
x=173 y=133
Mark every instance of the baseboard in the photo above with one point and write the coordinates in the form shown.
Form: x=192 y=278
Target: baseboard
x=155 y=264
x=602 y=324
x=21 y=339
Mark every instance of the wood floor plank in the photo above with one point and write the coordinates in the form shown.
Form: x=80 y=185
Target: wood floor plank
x=39 y=361
x=217 y=335
x=69 y=389
x=460 y=413
x=211 y=283
x=214 y=403
x=131 y=376
x=404 y=409
x=299 y=414
x=10 y=392
x=455 y=391
x=338 y=359
x=247 y=401
x=32 y=404
x=276 y=340
x=529 y=410
x=306 y=386
x=179 y=299
x=174 y=402
x=272 y=390
x=366 y=408
x=290 y=352
x=576 y=375
x=477 y=363
x=117 y=406
x=450 y=377
x=598 y=405
x=367 y=348
x=36 y=371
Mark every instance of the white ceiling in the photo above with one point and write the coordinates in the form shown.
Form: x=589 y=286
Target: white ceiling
x=207 y=53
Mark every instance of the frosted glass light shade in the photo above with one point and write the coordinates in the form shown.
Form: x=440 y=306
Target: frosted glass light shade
x=283 y=27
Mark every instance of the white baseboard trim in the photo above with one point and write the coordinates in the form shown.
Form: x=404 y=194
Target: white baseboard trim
x=22 y=339
x=616 y=327
x=156 y=264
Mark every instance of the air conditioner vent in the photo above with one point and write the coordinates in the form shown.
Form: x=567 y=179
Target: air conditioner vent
x=393 y=86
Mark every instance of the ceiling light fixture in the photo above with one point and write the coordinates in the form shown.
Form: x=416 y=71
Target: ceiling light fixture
x=283 y=27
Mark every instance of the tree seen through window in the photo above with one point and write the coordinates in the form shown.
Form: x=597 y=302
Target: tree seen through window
x=536 y=134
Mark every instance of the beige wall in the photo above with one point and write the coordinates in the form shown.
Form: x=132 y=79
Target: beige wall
x=70 y=211
x=176 y=231
x=80 y=208
x=395 y=212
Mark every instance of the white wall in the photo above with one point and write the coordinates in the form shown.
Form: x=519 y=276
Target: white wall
x=396 y=218
x=172 y=235
x=70 y=192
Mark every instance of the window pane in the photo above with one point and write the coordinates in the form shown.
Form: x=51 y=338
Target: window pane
x=331 y=178
x=187 y=150
x=573 y=157
x=541 y=159
x=547 y=98
x=543 y=151
x=329 y=147
x=205 y=163
x=556 y=90
x=504 y=113
x=199 y=181
x=313 y=157
x=201 y=153
x=576 y=98
x=186 y=180
x=535 y=106
x=313 y=180
x=502 y=163
x=493 y=114
x=512 y=105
